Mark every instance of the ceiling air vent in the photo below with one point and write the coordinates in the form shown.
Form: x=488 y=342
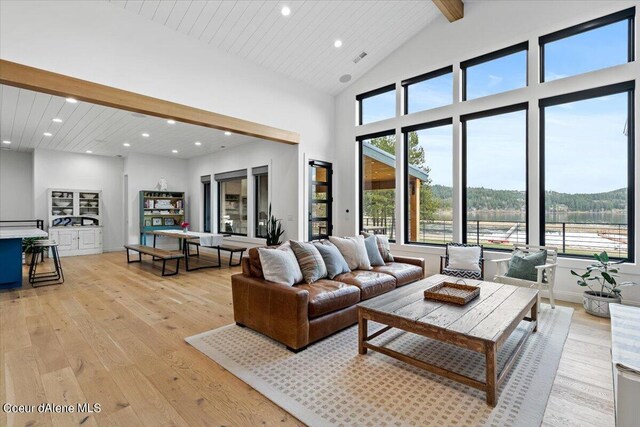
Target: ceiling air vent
x=359 y=57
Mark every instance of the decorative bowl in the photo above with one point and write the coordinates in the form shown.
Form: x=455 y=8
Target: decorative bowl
x=56 y=194
x=57 y=212
x=84 y=203
x=62 y=203
x=88 y=195
x=93 y=204
x=67 y=211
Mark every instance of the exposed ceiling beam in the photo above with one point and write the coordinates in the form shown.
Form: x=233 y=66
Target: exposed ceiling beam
x=451 y=9
x=38 y=80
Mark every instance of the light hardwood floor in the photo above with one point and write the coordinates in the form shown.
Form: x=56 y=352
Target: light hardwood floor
x=114 y=334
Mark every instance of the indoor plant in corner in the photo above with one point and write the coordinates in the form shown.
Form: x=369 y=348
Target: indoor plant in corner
x=29 y=248
x=600 y=278
x=274 y=230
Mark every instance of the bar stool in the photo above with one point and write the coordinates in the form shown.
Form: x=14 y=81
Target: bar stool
x=38 y=279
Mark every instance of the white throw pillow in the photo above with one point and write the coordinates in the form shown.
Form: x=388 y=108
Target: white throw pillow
x=353 y=250
x=464 y=258
x=280 y=265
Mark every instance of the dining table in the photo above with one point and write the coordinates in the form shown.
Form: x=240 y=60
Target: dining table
x=206 y=240
x=11 y=254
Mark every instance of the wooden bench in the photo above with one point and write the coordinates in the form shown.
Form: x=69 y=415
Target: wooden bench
x=156 y=253
x=224 y=247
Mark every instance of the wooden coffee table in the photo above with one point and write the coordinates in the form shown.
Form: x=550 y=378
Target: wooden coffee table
x=483 y=325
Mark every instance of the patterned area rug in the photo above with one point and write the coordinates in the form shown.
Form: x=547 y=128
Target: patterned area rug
x=329 y=384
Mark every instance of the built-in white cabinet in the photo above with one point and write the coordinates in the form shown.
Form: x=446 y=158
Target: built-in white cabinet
x=75 y=221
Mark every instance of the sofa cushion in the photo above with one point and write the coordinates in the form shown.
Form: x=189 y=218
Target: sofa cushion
x=373 y=253
x=280 y=265
x=353 y=250
x=327 y=296
x=310 y=261
x=404 y=273
x=371 y=283
x=333 y=259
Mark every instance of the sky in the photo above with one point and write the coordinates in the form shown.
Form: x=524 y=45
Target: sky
x=585 y=144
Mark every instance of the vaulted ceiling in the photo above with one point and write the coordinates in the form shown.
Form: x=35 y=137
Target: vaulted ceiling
x=25 y=117
x=301 y=45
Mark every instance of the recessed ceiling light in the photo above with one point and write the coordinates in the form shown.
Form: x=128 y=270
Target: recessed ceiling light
x=72 y=100
x=227 y=133
x=57 y=120
x=126 y=144
x=88 y=151
x=6 y=142
x=174 y=151
x=171 y=122
x=145 y=135
x=337 y=43
x=47 y=134
x=285 y=11
x=198 y=143
x=345 y=78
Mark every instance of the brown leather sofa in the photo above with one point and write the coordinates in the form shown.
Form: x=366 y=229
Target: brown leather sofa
x=304 y=313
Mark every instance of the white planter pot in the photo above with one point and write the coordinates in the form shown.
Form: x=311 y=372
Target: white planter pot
x=597 y=305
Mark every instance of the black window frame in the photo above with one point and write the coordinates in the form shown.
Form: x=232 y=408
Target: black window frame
x=370 y=94
x=626 y=14
x=405 y=84
x=220 y=182
x=360 y=139
x=598 y=92
x=405 y=133
x=497 y=54
x=206 y=203
x=256 y=190
x=522 y=106
x=329 y=201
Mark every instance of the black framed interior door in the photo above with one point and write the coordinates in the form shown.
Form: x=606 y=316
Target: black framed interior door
x=320 y=199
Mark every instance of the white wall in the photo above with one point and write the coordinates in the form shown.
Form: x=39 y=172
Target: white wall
x=486 y=27
x=16 y=185
x=108 y=45
x=282 y=161
x=143 y=173
x=58 y=169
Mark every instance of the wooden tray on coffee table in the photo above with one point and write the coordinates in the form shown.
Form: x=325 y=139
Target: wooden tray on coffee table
x=456 y=293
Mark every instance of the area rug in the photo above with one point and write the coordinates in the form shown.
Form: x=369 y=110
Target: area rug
x=330 y=384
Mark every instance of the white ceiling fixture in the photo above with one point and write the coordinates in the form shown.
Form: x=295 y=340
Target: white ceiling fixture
x=72 y=100
x=145 y=135
x=171 y=122
x=174 y=151
x=27 y=114
x=57 y=120
x=198 y=143
x=88 y=151
x=337 y=43
x=6 y=142
x=285 y=11
x=300 y=47
x=47 y=134
x=227 y=133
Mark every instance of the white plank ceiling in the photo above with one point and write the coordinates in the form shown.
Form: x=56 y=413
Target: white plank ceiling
x=25 y=117
x=300 y=45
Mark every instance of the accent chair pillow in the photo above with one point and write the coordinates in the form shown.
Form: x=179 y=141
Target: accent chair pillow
x=280 y=265
x=353 y=251
x=383 y=246
x=464 y=258
x=371 y=244
x=333 y=259
x=523 y=266
x=310 y=261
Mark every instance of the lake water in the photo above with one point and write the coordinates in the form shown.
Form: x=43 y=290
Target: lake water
x=609 y=217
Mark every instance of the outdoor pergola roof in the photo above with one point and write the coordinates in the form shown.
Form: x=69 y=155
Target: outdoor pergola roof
x=382 y=167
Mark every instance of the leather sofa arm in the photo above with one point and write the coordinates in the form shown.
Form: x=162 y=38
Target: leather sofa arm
x=276 y=310
x=420 y=262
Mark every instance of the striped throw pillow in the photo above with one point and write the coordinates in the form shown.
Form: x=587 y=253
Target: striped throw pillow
x=310 y=261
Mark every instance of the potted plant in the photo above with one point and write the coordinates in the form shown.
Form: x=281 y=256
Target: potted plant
x=600 y=278
x=274 y=229
x=29 y=248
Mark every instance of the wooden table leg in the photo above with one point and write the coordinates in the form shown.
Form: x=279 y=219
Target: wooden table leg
x=491 y=370
x=534 y=316
x=362 y=334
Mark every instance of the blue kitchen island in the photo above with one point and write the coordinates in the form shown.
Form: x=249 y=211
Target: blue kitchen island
x=11 y=254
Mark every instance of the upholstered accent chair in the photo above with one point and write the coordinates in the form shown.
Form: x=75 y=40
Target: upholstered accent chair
x=451 y=270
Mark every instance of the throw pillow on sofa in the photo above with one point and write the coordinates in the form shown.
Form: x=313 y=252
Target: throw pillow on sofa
x=333 y=259
x=523 y=266
x=353 y=251
x=464 y=258
x=371 y=244
x=310 y=261
x=383 y=246
x=280 y=265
